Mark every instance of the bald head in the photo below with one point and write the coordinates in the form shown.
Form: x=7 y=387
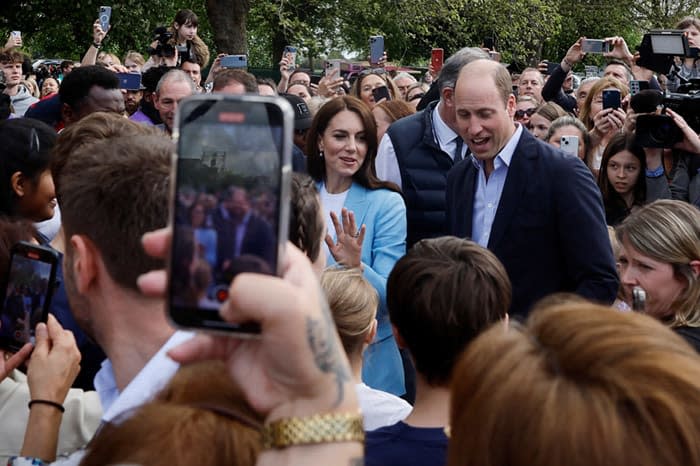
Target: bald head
x=484 y=105
x=496 y=71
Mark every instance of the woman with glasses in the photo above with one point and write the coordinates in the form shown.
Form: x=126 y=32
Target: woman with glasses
x=361 y=213
x=368 y=81
x=525 y=107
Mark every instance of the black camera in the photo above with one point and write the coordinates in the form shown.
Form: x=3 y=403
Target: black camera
x=657 y=131
x=164 y=48
x=659 y=47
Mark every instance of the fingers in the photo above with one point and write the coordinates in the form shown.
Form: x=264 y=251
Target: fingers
x=348 y=227
x=361 y=238
x=329 y=242
x=157 y=243
x=336 y=225
x=199 y=348
x=153 y=283
x=43 y=343
x=18 y=358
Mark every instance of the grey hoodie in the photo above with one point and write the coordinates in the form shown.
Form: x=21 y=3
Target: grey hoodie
x=22 y=100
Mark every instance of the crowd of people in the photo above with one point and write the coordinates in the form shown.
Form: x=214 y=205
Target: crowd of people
x=484 y=266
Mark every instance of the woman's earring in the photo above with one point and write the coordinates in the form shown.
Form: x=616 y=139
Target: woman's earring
x=320 y=153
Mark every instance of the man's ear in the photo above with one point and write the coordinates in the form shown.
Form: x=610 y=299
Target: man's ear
x=510 y=105
x=18 y=183
x=399 y=339
x=84 y=262
x=447 y=95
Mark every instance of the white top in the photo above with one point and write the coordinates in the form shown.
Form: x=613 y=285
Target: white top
x=387 y=166
x=380 y=409
x=331 y=203
x=147 y=383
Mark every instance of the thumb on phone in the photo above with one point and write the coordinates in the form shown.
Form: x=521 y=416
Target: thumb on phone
x=43 y=342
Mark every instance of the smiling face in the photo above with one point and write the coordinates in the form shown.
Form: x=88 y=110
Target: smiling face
x=484 y=120
x=38 y=198
x=657 y=278
x=623 y=171
x=344 y=145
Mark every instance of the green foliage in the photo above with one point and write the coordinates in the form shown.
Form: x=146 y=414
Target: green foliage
x=56 y=28
x=525 y=30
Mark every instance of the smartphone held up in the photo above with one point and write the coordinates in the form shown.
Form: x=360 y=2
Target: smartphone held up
x=26 y=297
x=230 y=201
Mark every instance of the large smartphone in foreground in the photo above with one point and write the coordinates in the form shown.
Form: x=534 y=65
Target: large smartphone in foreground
x=26 y=300
x=230 y=201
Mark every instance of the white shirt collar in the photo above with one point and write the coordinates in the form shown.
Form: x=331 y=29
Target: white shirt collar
x=443 y=133
x=149 y=381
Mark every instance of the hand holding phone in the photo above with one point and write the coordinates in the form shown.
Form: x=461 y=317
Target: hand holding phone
x=611 y=98
x=381 y=92
x=569 y=144
x=234 y=61
x=376 y=49
x=437 y=57
x=290 y=53
x=31 y=281
x=595 y=46
x=237 y=148
x=104 y=17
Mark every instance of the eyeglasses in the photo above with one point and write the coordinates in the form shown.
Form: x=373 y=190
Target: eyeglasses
x=365 y=72
x=416 y=97
x=519 y=114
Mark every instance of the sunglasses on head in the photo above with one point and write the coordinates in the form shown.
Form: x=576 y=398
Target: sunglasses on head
x=416 y=97
x=379 y=71
x=522 y=113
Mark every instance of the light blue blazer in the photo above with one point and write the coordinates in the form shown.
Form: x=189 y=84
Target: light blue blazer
x=383 y=212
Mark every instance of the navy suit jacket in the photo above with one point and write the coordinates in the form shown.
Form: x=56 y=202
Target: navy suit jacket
x=549 y=231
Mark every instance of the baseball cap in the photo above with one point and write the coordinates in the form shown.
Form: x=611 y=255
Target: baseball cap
x=302 y=114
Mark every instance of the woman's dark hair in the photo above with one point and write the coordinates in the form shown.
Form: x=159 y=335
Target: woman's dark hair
x=196 y=45
x=305 y=223
x=26 y=147
x=316 y=165
x=611 y=199
x=185 y=16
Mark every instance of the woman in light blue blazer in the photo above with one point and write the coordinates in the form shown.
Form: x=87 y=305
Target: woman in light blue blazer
x=366 y=217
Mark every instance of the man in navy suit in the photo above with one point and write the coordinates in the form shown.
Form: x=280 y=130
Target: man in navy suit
x=536 y=208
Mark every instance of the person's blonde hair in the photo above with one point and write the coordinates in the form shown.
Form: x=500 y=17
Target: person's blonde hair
x=669 y=231
x=598 y=87
x=353 y=302
x=576 y=385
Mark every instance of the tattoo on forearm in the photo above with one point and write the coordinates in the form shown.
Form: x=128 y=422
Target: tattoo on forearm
x=327 y=353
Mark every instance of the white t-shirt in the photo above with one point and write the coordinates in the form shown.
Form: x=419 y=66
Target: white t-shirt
x=380 y=409
x=331 y=203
